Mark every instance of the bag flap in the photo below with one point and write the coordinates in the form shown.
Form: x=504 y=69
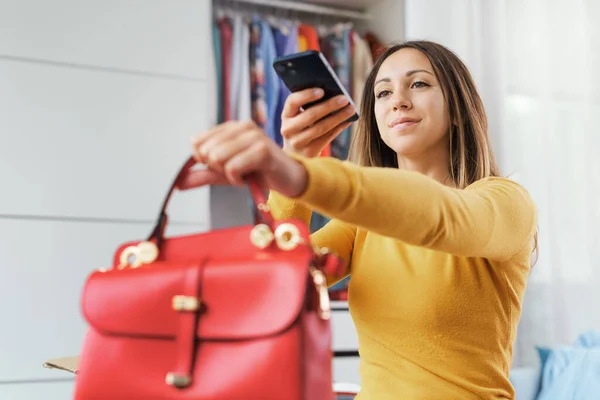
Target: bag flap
x=241 y=299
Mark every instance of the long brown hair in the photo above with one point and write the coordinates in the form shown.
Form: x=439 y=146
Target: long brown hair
x=471 y=157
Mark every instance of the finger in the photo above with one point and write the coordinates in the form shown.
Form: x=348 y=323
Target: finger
x=323 y=127
x=201 y=137
x=296 y=100
x=313 y=115
x=252 y=159
x=329 y=137
x=222 y=152
x=227 y=131
x=202 y=178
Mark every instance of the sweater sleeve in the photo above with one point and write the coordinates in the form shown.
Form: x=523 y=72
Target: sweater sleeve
x=336 y=235
x=493 y=218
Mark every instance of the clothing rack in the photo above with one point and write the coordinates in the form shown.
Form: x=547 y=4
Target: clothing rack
x=308 y=8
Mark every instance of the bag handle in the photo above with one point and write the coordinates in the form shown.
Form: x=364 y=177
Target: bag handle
x=262 y=212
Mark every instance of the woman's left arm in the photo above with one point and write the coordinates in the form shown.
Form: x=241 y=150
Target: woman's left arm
x=493 y=218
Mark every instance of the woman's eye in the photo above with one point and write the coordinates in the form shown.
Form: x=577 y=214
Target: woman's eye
x=383 y=93
x=418 y=84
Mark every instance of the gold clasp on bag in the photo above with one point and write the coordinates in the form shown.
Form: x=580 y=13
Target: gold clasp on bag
x=135 y=256
x=321 y=285
x=261 y=236
x=185 y=303
x=178 y=381
x=287 y=236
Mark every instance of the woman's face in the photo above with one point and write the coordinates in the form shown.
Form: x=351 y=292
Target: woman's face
x=410 y=108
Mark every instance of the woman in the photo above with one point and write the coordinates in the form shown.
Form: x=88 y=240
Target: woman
x=438 y=245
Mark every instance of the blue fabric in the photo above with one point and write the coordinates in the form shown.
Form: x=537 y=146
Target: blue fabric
x=336 y=49
x=572 y=372
x=268 y=53
x=543 y=353
x=286 y=42
x=218 y=67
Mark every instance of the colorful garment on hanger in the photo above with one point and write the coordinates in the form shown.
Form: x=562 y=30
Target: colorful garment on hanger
x=310 y=35
x=216 y=36
x=286 y=42
x=375 y=44
x=308 y=39
x=335 y=46
x=272 y=81
x=226 y=32
x=240 y=88
x=362 y=64
x=265 y=82
x=257 y=76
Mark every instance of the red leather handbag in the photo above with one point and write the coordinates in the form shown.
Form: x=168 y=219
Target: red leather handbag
x=236 y=313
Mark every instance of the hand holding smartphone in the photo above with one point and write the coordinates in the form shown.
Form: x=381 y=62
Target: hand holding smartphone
x=310 y=69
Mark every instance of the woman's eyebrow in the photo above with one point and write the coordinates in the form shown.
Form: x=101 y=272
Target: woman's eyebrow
x=409 y=73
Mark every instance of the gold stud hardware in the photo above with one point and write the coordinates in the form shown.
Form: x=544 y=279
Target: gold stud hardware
x=130 y=257
x=287 y=236
x=321 y=285
x=135 y=256
x=185 y=303
x=261 y=236
x=320 y=250
x=263 y=207
x=178 y=381
x=148 y=252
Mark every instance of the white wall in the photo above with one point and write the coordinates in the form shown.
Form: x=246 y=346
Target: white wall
x=387 y=20
x=97 y=105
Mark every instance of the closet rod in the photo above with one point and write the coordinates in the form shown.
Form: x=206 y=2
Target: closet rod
x=309 y=8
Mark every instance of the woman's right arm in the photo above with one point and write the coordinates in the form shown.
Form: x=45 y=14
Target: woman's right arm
x=307 y=132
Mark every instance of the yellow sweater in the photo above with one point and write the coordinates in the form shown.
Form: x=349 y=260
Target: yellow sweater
x=438 y=275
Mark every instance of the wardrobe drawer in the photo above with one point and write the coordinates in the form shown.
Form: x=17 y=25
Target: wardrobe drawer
x=346 y=370
x=344 y=336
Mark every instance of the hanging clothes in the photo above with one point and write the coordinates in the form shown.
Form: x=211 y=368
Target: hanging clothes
x=216 y=36
x=272 y=81
x=362 y=64
x=226 y=32
x=286 y=42
x=264 y=80
x=375 y=44
x=308 y=39
x=335 y=46
x=257 y=76
x=240 y=95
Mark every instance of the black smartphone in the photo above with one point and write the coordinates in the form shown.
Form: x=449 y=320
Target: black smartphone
x=310 y=69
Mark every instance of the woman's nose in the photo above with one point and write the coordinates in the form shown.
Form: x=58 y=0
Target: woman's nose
x=401 y=102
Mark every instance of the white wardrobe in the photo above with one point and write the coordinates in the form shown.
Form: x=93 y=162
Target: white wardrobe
x=98 y=101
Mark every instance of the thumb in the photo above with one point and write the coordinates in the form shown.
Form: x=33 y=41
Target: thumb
x=202 y=177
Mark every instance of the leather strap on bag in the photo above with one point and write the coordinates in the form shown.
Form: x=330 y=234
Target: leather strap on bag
x=189 y=306
x=259 y=198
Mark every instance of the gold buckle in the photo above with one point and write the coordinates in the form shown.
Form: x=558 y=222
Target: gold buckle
x=185 y=303
x=261 y=236
x=178 y=381
x=320 y=282
x=287 y=236
x=136 y=256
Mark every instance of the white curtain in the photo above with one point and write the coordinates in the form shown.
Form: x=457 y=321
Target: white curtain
x=537 y=66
